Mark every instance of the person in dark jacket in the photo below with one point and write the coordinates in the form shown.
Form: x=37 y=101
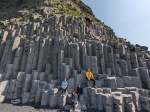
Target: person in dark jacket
x=79 y=91
x=74 y=99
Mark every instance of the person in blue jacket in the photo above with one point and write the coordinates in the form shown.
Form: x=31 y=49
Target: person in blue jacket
x=64 y=86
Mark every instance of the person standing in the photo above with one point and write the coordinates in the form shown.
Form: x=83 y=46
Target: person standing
x=64 y=86
x=90 y=77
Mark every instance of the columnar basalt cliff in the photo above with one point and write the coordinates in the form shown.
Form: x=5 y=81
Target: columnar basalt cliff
x=43 y=42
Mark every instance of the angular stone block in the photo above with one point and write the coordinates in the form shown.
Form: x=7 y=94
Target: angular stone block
x=78 y=79
x=35 y=75
x=30 y=57
x=38 y=96
x=41 y=76
x=119 y=82
x=67 y=107
x=99 y=102
x=50 y=77
x=124 y=67
x=8 y=71
x=98 y=83
x=127 y=98
x=94 y=98
x=116 y=45
x=47 y=71
x=83 y=73
x=108 y=71
x=122 y=51
x=33 y=90
x=44 y=99
x=131 y=89
x=136 y=82
x=105 y=49
x=43 y=85
x=94 y=67
x=55 y=82
x=50 y=86
x=122 y=90
x=27 y=83
x=87 y=62
x=135 y=96
x=130 y=107
x=19 y=85
x=11 y=88
x=144 y=73
x=25 y=97
x=118 y=72
x=117 y=99
x=111 y=82
x=70 y=87
x=106 y=90
x=83 y=106
x=66 y=71
x=107 y=99
x=16 y=61
x=135 y=72
x=69 y=61
x=53 y=101
x=127 y=81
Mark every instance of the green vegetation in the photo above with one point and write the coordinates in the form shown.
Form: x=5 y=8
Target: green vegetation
x=59 y=7
x=69 y=8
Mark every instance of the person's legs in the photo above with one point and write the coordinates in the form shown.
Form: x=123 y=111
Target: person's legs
x=93 y=81
x=65 y=91
x=62 y=90
x=73 y=105
x=88 y=82
x=78 y=96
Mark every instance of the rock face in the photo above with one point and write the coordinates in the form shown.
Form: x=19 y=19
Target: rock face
x=37 y=55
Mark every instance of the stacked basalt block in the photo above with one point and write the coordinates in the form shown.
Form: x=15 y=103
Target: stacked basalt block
x=36 y=56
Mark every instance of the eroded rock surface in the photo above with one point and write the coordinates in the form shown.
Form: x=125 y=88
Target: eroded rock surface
x=36 y=55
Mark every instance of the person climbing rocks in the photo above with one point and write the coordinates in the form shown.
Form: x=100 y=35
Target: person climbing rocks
x=64 y=86
x=74 y=99
x=79 y=91
x=90 y=77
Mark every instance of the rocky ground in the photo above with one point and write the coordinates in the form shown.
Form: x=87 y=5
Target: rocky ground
x=11 y=108
x=8 y=107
